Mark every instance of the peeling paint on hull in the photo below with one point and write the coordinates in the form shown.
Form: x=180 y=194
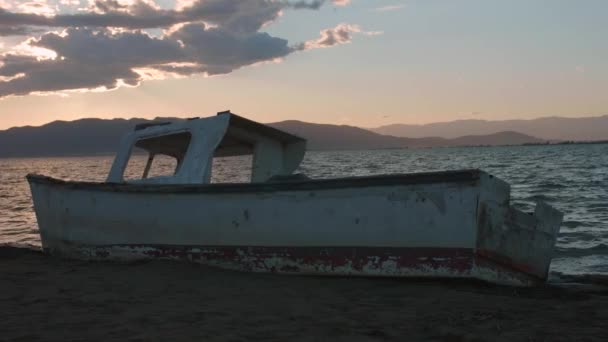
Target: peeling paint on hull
x=325 y=261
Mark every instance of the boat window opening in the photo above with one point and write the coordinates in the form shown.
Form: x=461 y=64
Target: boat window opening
x=136 y=165
x=157 y=156
x=234 y=169
x=160 y=165
x=233 y=159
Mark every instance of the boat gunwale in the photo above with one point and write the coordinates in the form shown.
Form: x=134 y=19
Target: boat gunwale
x=457 y=176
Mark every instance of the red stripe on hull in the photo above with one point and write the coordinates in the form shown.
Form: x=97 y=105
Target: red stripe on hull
x=489 y=256
x=340 y=261
x=358 y=259
x=372 y=261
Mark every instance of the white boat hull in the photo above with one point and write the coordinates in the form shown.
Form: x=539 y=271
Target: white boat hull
x=448 y=224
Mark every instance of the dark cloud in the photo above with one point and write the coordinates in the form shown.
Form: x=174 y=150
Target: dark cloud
x=307 y=4
x=88 y=59
x=213 y=37
x=14 y=31
x=238 y=15
x=218 y=51
x=10 y=19
x=53 y=75
x=85 y=60
x=106 y=6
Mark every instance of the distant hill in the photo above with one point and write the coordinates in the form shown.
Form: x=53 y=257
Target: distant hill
x=495 y=139
x=321 y=137
x=98 y=136
x=80 y=137
x=549 y=128
x=342 y=137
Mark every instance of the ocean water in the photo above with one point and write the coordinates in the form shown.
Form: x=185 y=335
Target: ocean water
x=573 y=178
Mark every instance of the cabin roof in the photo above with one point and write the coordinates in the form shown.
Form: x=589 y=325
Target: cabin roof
x=174 y=145
x=234 y=121
x=265 y=130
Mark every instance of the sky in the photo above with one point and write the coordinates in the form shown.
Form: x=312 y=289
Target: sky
x=360 y=62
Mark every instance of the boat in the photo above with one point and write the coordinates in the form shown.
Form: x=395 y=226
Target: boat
x=448 y=224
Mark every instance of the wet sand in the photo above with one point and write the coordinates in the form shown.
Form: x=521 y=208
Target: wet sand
x=50 y=299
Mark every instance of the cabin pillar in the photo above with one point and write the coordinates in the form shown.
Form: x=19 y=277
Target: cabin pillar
x=267 y=160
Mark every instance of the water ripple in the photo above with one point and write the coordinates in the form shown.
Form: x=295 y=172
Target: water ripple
x=573 y=178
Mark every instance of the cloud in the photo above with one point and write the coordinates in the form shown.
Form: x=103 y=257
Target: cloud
x=106 y=47
x=92 y=59
x=40 y=7
x=247 y=15
x=341 y=34
x=389 y=8
x=217 y=51
x=69 y=2
x=14 y=31
x=341 y=2
x=238 y=15
x=85 y=58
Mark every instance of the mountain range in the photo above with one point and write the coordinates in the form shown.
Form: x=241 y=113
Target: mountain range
x=548 y=128
x=323 y=136
x=100 y=136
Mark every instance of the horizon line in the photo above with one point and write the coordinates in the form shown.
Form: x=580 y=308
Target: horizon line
x=318 y=123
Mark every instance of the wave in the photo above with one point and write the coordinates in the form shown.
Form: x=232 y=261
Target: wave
x=550 y=186
x=598 y=249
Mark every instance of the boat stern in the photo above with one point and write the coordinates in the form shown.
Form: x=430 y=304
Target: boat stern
x=519 y=247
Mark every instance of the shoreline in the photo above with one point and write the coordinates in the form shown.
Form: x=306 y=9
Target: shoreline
x=48 y=298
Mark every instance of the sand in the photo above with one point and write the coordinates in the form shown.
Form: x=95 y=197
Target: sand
x=50 y=299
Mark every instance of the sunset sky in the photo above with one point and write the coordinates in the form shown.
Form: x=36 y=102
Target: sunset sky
x=361 y=62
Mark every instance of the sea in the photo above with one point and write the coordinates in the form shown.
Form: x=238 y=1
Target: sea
x=573 y=178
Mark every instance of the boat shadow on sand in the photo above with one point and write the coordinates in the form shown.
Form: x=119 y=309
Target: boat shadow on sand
x=560 y=285
x=167 y=300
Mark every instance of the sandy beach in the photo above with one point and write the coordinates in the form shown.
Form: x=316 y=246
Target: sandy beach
x=51 y=299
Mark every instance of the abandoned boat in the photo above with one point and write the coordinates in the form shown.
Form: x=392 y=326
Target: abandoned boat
x=456 y=224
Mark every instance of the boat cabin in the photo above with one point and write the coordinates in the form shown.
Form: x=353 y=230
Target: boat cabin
x=193 y=143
